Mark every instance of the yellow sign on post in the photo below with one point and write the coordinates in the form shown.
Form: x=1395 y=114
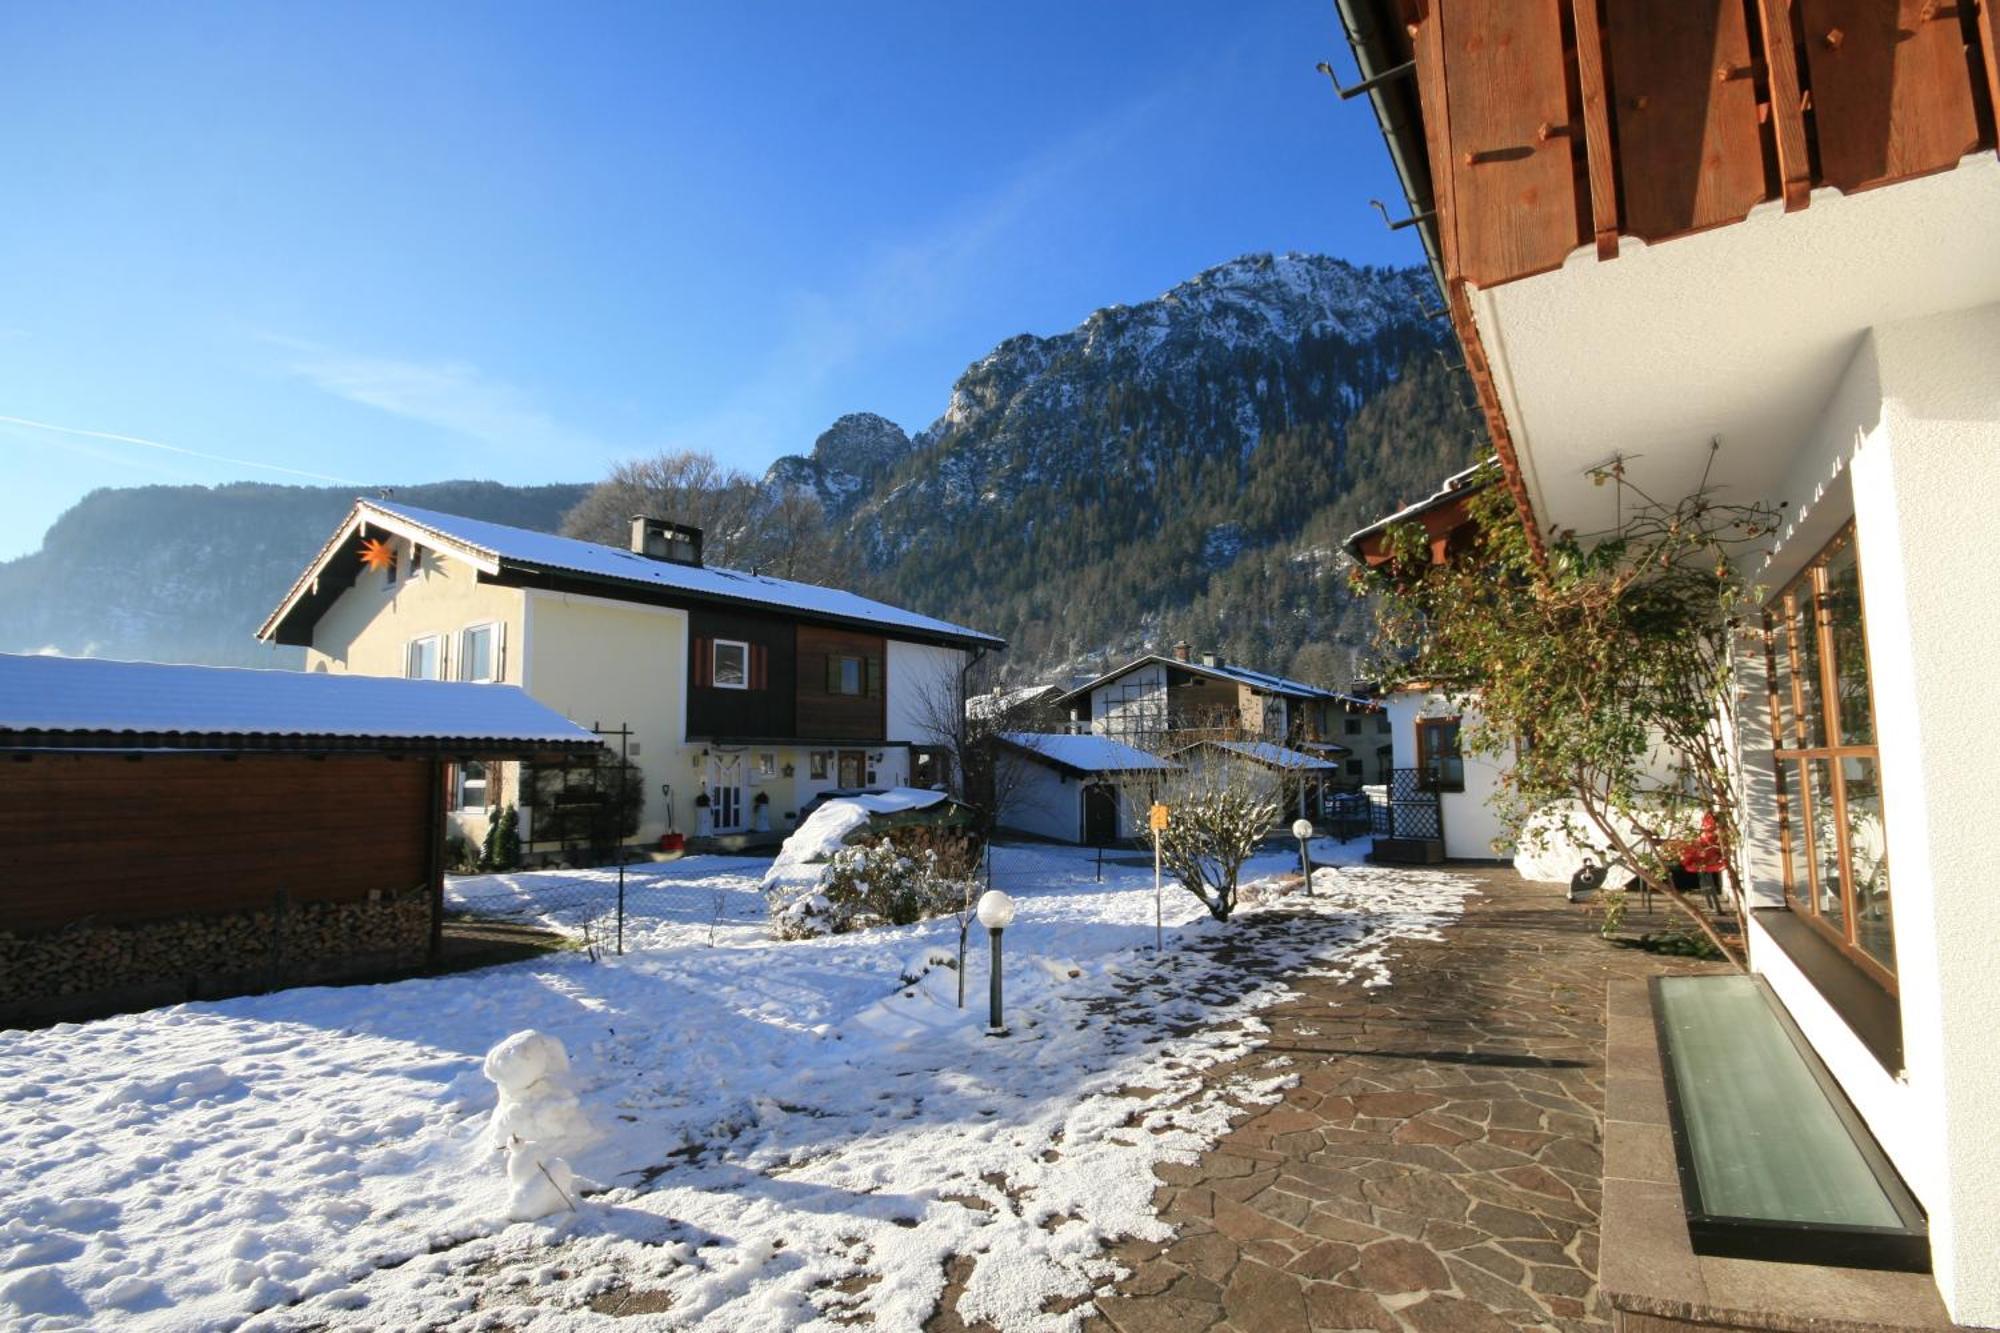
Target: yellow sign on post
x=1156 y=818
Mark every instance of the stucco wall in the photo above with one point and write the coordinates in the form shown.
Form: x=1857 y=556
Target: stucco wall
x=922 y=692
x=1136 y=701
x=598 y=661
x=1925 y=478
x=1471 y=825
x=1041 y=803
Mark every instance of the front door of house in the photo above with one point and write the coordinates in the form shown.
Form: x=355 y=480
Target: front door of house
x=725 y=792
x=1100 y=815
x=853 y=769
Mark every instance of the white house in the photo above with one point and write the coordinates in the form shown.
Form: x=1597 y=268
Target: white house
x=1774 y=274
x=1296 y=780
x=1160 y=701
x=745 y=695
x=1082 y=789
x=1425 y=730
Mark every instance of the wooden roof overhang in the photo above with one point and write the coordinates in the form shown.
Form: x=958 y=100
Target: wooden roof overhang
x=1525 y=131
x=1445 y=517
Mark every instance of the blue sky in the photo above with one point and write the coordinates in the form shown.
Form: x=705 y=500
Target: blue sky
x=401 y=243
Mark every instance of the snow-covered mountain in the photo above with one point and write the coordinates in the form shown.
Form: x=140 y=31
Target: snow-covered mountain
x=846 y=461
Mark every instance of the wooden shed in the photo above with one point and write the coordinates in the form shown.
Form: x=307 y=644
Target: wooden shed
x=179 y=832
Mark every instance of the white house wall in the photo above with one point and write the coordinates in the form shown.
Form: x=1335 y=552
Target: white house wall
x=1471 y=825
x=922 y=693
x=1135 y=702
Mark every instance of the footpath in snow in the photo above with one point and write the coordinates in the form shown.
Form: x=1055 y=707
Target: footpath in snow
x=782 y=1134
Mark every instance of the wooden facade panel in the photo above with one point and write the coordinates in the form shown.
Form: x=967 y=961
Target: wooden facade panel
x=111 y=840
x=763 y=711
x=1891 y=89
x=1513 y=187
x=825 y=715
x=1689 y=149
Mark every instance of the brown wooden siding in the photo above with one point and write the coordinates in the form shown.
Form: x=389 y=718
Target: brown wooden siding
x=764 y=711
x=1551 y=124
x=111 y=839
x=823 y=715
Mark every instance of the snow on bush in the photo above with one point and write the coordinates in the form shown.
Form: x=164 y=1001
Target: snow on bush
x=535 y=1122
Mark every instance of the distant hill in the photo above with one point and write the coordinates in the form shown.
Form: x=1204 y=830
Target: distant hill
x=1181 y=468
x=187 y=573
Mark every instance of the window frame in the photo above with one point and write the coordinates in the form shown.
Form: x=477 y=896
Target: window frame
x=437 y=641
x=819 y=765
x=715 y=680
x=1424 y=724
x=836 y=675
x=1797 y=826
x=458 y=784
x=495 y=671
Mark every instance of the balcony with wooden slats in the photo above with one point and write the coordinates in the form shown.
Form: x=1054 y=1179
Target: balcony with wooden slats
x=1554 y=124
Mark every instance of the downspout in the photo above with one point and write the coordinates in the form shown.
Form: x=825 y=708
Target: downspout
x=1408 y=153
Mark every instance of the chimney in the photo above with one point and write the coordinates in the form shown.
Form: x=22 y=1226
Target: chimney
x=657 y=539
x=1211 y=659
x=1183 y=651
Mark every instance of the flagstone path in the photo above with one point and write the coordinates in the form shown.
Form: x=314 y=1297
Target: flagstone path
x=1436 y=1168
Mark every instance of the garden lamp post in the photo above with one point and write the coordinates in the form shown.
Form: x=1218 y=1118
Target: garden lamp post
x=1302 y=829
x=996 y=913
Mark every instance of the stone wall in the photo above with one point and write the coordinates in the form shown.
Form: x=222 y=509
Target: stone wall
x=88 y=969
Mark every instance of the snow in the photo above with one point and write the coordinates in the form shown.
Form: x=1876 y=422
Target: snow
x=772 y=1125
x=802 y=859
x=64 y=694
x=1274 y=756
x=535 y=1120
x=544 y=550
x=1087 y=753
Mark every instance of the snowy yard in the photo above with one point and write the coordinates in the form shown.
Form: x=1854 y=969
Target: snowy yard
x=785 y=1132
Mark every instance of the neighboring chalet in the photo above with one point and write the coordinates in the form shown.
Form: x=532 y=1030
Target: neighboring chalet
x=1165 y=703
x=745 y=695
x=1756 y=247
x=1297 y=782
x=179 y=832
x=1092 y=790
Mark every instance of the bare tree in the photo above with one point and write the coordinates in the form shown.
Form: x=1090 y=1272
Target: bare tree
x=686 y=487
x=1217 y=815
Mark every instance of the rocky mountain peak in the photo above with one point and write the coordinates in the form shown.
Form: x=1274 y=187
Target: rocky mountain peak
x=848 y=458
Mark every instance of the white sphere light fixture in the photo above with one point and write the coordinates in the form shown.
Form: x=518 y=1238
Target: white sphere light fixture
x=996 y=910
x=1302 y=829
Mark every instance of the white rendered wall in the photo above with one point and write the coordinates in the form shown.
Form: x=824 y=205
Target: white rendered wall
x=1042 y=803
x=1471 y=825
x=922 y=693
x=1926 y=479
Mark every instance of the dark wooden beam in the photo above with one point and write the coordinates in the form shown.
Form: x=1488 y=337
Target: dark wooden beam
x=1597 y=128
x=1788 y=122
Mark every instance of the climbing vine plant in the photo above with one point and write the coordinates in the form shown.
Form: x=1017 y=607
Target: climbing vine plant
x=1606 y=666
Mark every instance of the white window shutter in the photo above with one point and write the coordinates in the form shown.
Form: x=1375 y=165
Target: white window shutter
x=499 y=652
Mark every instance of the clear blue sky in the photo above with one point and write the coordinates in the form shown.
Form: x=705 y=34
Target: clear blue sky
x=399 y=243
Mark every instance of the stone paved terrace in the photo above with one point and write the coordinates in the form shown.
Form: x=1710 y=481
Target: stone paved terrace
x=1436 y=1168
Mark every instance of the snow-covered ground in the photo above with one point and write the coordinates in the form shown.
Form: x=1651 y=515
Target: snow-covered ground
x=786 y=1133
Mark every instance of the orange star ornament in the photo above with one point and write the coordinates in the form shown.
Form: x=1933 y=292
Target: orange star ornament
x=377 y=554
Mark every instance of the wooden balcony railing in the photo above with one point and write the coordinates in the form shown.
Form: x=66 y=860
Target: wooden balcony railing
x=1550 y=124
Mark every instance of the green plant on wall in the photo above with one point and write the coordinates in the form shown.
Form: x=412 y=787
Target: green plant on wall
x=1601 y=667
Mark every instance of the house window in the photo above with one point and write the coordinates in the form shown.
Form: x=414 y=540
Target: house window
x=930 y=765
x=470 y=791
x=426 y=658
x=1354 y=768
x=1831 y=828
x=730 y=665
x=1440 y=766
x=1353 y=726
x=820 y=764
x=764 y=768
x=846 y=674
x=853 y=768
x=479 y=653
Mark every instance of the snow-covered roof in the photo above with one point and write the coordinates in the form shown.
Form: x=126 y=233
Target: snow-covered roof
x=46 y=701
x=1259 y=680
x=1000 y=702
x=489 y=546
x=1087 y=753
x=1456 y=486
x=1272 y=755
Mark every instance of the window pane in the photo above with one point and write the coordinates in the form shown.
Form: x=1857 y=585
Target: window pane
x=424 y=658
x=850 y=675
x=1826 y=869
x=1805 y=647
x=1868 y=857
x=1842 y=604
x=1783 y=719
x=730 y=668
x=476 y=661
